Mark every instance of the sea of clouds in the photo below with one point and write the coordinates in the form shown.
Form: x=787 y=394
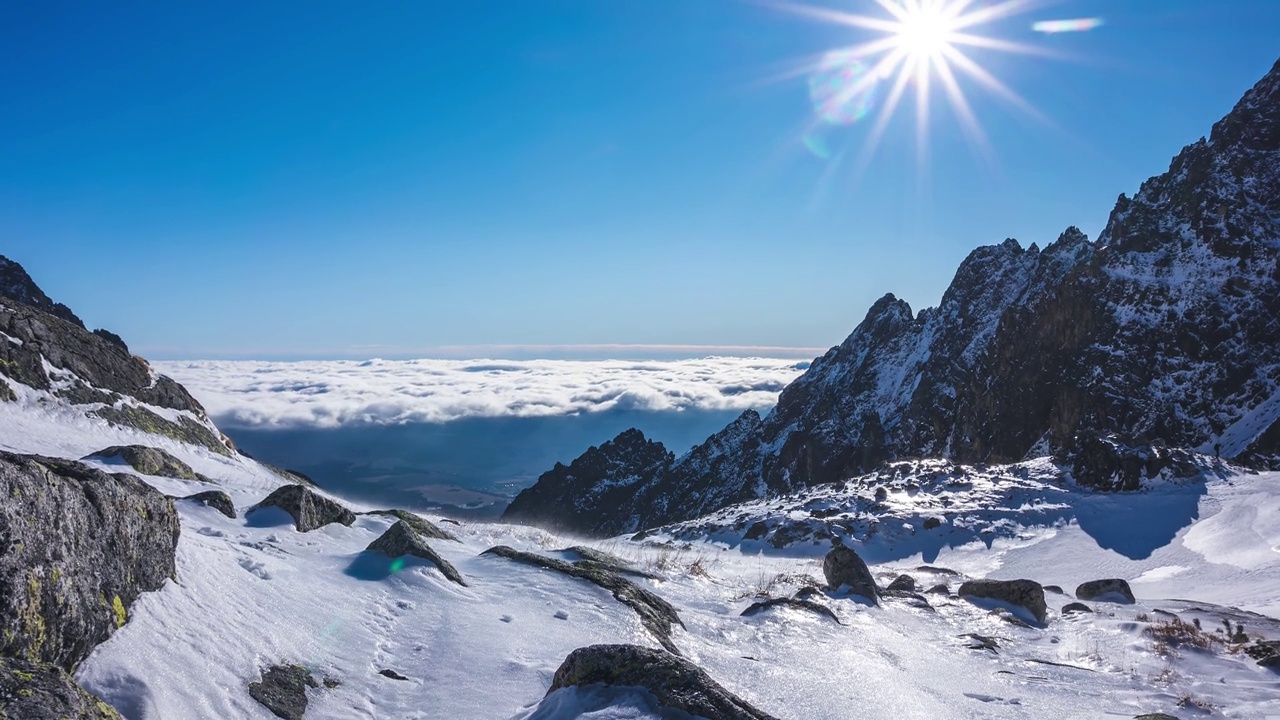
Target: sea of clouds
x=338 y=393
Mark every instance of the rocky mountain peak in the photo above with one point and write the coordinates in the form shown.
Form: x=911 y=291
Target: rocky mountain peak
x=16 y=284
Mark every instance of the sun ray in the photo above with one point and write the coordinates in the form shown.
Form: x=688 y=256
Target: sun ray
x=919 y=44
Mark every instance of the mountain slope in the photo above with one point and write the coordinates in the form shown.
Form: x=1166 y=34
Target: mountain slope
x=1165 y=330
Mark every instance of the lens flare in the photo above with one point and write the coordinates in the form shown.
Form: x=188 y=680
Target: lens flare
x=840 y=90
x=1052 y=27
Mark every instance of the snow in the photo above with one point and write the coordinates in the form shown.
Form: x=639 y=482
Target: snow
x=249 y=594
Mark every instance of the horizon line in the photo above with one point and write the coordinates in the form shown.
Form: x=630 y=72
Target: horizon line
x=494 y=351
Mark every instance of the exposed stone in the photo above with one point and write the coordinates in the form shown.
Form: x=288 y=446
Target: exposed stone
x=283 y=690
x=939 y=589
x=1075 y=607
x=215 y=499
x=932 y=522
x=843 y=567
x=1024 y=593
x=800 y=604
x=77 y=547
x=39 y=691
x=656 y=614
x=1113 y=590
x=402 y=539
x=185 y=430
x=1056 y=589
x=1265 y=652
x=421 y=525
x=150 y=461
x=1154 y=716
x=902 y=583
x=675 y=682
x=757 y=530
x=308 y=509
x=389 y=673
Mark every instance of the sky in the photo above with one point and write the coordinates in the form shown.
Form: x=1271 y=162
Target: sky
x=531 y=178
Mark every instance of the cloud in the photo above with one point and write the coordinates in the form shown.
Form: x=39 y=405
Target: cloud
x=335 y=393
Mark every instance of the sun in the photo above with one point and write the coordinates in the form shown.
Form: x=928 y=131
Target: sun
x=914 y=44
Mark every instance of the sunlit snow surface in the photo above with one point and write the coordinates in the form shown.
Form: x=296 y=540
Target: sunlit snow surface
x=248 y=596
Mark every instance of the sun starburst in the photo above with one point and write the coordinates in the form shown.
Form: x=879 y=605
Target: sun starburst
x=916 y=45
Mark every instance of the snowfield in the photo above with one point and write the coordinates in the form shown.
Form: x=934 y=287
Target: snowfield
x=253 y=592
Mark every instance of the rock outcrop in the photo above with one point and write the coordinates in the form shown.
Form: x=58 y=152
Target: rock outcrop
x=308 y=509
x=1162 y=333
x=420 y=525
x=657 y=615
x=1113 y=590
x=1023 y=593
x=77 y=547
x=675 y=682
x=403 y=539
x=150 y=461
x=40 y=691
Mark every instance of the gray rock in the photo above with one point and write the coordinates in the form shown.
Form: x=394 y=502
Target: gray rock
x=1054 y=589
x=215 y=499
x=402 y=539
x=308 y=509
x=150 y=461
x=842 y=566
x=657 y=615
x=1111 y=590
x=1025 y=593
x=757 y=530
x=1155 y=716
x=932 y=522
x=389 y=673
x=421 y=525
x=674 y=681
x=79 y=546
x=1075 y=607
x=939 y=589
x=902 y=583
x=1265 y=652
x=39 y=691
x=799 y=604
x=185 y=430
x=283 y=690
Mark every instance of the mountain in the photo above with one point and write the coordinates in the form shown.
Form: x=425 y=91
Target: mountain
x=1165 y=331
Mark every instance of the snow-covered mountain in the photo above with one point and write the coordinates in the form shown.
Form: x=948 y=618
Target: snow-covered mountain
x=1165 y=331
x=148 y=570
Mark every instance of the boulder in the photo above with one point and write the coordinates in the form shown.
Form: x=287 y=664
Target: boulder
x=1265 y=652
x=1111 y=590
x=402 y=539
x=675 y=682
x=79 y=546
x=797 y=603
x=902 y=583
x=1024 y=593
x=1075 y=607
x=283 y=690
x=215 y=499
x=39 y=691
x=757 y=530
x=150 y=461
x=421 y=525
x=939 y=589
x=308 y=509
x=932 y=522
x=842 y=567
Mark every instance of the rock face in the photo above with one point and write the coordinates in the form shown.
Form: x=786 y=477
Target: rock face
x=1025 y=593
x=150 y=461
x=1160 y=333
x=571 y=498
x=39 y=691
x=1110 y=590
x=308 y=509
x=402 y=539
x=842 y=567
x=77 y=547
x=675 y=682
x=43 y=345
x=283 y=690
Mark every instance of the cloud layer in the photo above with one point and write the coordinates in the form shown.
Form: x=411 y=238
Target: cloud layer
x=337 y=393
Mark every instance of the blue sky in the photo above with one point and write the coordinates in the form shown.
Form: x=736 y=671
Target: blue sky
x=293 y=179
